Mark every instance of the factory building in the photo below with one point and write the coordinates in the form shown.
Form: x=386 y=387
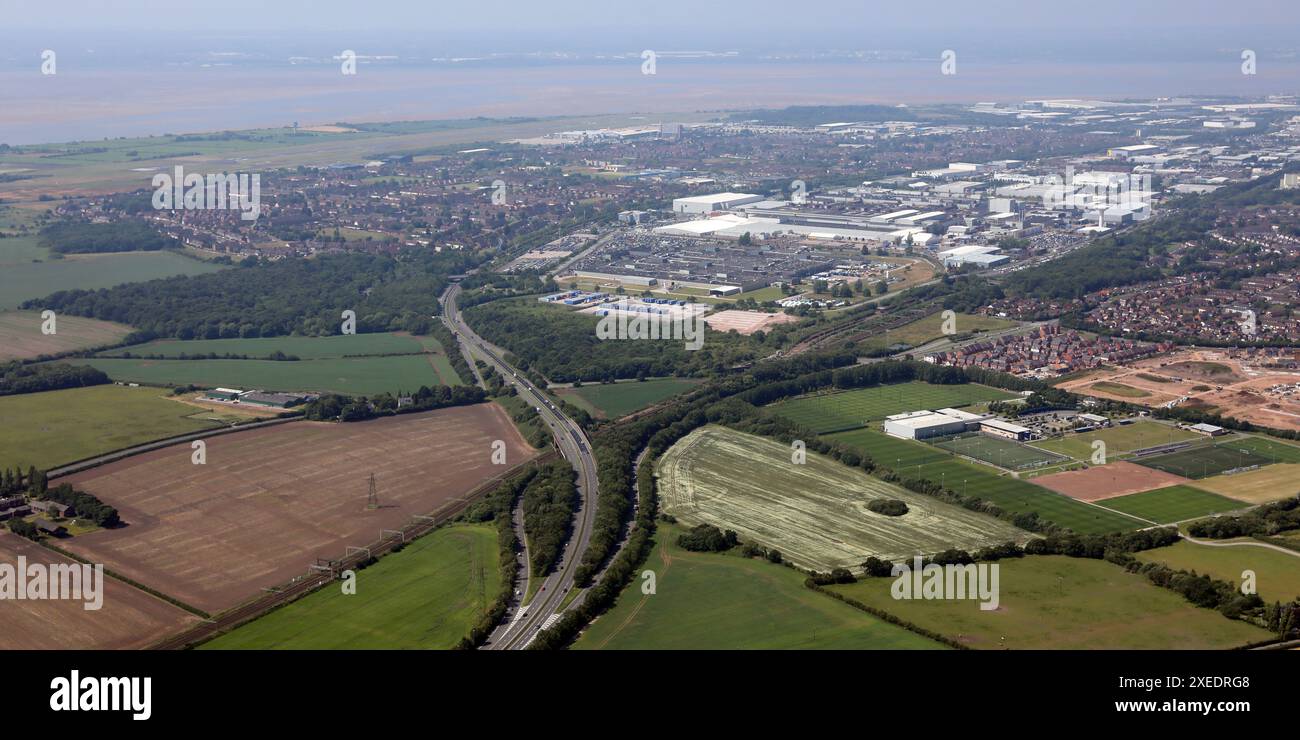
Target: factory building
x=1005 y=430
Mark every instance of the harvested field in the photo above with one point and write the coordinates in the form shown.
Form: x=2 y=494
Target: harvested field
x=1261 y=486
x=270 y=501
x=1108 y=481
x=129 y=619
x=21 y=337
x=814 y=513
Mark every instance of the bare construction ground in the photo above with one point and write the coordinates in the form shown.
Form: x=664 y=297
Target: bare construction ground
x=815 y=513
x=745 y=322
x=129 y=618
x=270 y=501
x=1108 y=481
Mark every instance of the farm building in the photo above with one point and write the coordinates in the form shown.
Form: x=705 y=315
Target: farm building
x=930 y=424
x=1005 y=430
x=223 y=394
x=278 y=400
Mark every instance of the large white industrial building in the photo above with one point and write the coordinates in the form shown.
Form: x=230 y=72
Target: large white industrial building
x=929 y=424
x=714 y=202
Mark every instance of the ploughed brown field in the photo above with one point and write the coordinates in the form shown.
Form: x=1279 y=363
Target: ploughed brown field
x=1108 y=481
x=128 y=619
x=270 y=501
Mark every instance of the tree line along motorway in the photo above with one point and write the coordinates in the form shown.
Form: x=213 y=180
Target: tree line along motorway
x=523 y=622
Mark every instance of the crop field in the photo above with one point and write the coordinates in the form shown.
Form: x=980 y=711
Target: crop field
x=1000 y=452
x=354 y=376
x=1108 y=481
x=1173 y=504
x=1277 y=574
x=1053 y=602
x=918 y=460
x=711 y=601
x=1119 y=439
x=129 y=619
x=427 y=596
x=842 y=410
x=1270 y=483
x=57 y=427
x=1203 y=462
x=269 y=501
x=21 y=337
x=814 y=513
x=612 y=400
x=30 y=280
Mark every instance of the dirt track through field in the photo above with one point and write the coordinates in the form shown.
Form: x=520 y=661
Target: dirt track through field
x=269 y=502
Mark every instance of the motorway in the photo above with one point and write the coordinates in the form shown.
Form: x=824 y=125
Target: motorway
x=522 y=624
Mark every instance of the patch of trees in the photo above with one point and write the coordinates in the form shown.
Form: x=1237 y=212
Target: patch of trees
x=451 y=347
x=76 y=237
x=82 y=505
x=887 y=506
x=16 y=378
x=1264 y=521
x=549 y=503
x=24 y=528
x=276 y=356
x=335 y=407
x=707 y=538
x=837 y=575
x=1201 y=590
x=562 y=345
x=268 y=299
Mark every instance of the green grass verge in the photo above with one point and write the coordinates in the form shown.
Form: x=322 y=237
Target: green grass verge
x=425 y=597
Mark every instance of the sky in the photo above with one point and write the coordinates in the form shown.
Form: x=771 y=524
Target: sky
x=771 y=22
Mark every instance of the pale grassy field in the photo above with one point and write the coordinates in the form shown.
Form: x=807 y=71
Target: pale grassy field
x=814 y=513
x=1269 y=483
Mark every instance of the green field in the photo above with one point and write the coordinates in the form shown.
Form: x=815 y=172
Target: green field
x=928 y=329
x=308 y=348
x=709 y=601
x=57 y=427
x=1277 y=575
x=1172 y=504
x=915 y=459
x=1204 y=462
x=427 y=596
x=1119 y=439
x=21 y=282
x=1000 y=452
x=816 y=512
x=838 y=411
x=1052 y=602
x=1272 y=450
x=612 y=400
x=357 y=376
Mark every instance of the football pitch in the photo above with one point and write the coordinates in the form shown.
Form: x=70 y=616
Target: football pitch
x=1172 y=504
x=1000 y=452
x=1203 y=462
x=1118 y=439
x=843 y=410
x=918 y=460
